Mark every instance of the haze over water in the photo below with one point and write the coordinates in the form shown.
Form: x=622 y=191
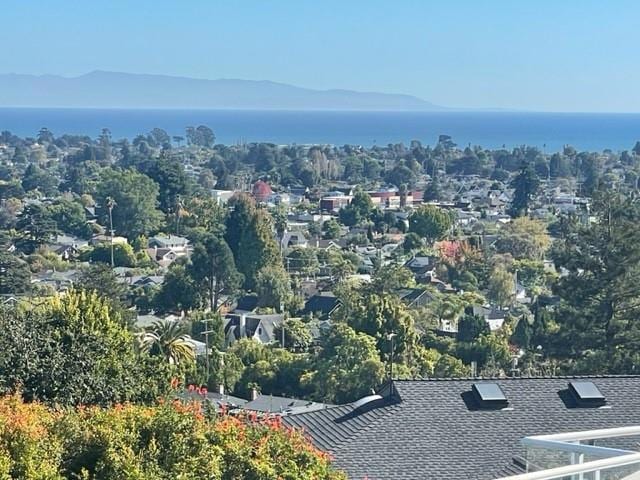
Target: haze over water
x=551 y=131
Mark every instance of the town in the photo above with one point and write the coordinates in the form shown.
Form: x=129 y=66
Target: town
x=288 y=279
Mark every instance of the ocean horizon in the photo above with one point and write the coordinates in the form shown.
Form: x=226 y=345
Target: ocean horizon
x=548 y=131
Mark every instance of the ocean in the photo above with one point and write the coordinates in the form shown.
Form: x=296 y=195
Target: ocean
x=549 y=131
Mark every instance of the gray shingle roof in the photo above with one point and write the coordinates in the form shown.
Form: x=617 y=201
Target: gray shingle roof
x=275 y=404
x=431 y=431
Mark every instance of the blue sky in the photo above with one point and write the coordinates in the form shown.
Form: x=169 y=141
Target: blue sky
x=550 y=55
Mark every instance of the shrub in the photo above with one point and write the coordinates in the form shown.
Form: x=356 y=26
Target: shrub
x=162 y=442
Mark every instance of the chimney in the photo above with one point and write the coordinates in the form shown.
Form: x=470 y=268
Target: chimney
x=221 y=389
x=254 y=394
x=243 y=325
x=474 y=368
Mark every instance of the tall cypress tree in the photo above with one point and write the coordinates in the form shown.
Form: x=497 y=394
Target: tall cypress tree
x=251 y=238
x=526 y=185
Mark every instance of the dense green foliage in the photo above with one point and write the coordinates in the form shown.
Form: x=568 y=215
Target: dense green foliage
x=75 y=350
x=173 y=440
x=540 y=246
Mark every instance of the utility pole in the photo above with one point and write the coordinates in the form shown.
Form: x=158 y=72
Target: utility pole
x=282 y=334
x=390 y=337
x=110 y=204
x=206 y=333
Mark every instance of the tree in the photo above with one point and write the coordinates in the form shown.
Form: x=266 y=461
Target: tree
x=501 y=286
x=102 y=280
x=172 y=181
x=600 y=308
x=136 y=197
x=449 y=366
x=525 y=186
x=177 y=439
x=470 y=327
x=297 y=335
x=201 y=136
x=37 y=178
x=15 y=277
x=168 y=340
x=212 y=266
x=123 y=255
x=522 y=333
x=303 y=260
x=433 y=192
x=358 y=210
x=75 y=350
x=159 y=137
x=179 y=291
x=273 y=286
x=430 y=222
x=331 y=229
x=524 y=238
x=378 y=314
x=70 y=217
x=249 y=234
x=412 y=241
x=35 y=228
x=392 y=278
x=348 y=366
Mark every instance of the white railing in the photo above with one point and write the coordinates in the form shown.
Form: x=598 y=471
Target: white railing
x=611 y=463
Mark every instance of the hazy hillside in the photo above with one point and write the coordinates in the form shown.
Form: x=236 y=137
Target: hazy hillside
x=111 y=89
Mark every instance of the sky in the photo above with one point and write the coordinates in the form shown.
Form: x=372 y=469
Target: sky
x=544 y=55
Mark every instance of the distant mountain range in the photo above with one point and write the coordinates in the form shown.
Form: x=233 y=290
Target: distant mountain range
x=125 y=90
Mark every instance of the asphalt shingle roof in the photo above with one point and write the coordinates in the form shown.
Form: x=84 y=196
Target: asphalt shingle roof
x=431 y=430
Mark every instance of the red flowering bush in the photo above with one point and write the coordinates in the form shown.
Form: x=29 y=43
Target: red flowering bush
x=173 y=440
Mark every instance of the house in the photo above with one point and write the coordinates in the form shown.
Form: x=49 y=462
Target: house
x=101 y=239
x=261 y=191
x=163 y=256
x=450 y=429
x=415 y=297
x=293 y=239
x=334 y=203
x=166 y=249
x=174 y=242
x=257 y=327
x=494 y=316
x=282 y=405
x=246 y=304
x=147 y=281
x=422 y=267
x=67 y=247
x=58 y=281
x=321 y=306
x=219 y=400
x=221 y=197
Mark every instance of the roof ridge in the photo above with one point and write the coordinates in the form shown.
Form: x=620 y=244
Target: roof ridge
x=527 y=377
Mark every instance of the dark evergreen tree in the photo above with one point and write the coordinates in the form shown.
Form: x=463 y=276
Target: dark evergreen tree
x=525 y=185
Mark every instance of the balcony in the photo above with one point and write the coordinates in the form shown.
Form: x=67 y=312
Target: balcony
x=607 y=454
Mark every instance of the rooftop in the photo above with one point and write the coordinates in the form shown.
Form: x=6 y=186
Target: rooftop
x=435 y=429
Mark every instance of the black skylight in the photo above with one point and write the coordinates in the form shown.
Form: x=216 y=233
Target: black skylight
x=586 y=394
x=489 y=395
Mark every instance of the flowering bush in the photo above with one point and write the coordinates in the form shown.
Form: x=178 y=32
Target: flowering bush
x=173 y=440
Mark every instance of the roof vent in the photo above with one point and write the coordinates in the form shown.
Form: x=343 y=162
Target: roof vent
x=489 y=395
x=586 y=394
x=364 y=400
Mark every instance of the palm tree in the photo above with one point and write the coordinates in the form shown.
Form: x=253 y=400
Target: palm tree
x=165 y=338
